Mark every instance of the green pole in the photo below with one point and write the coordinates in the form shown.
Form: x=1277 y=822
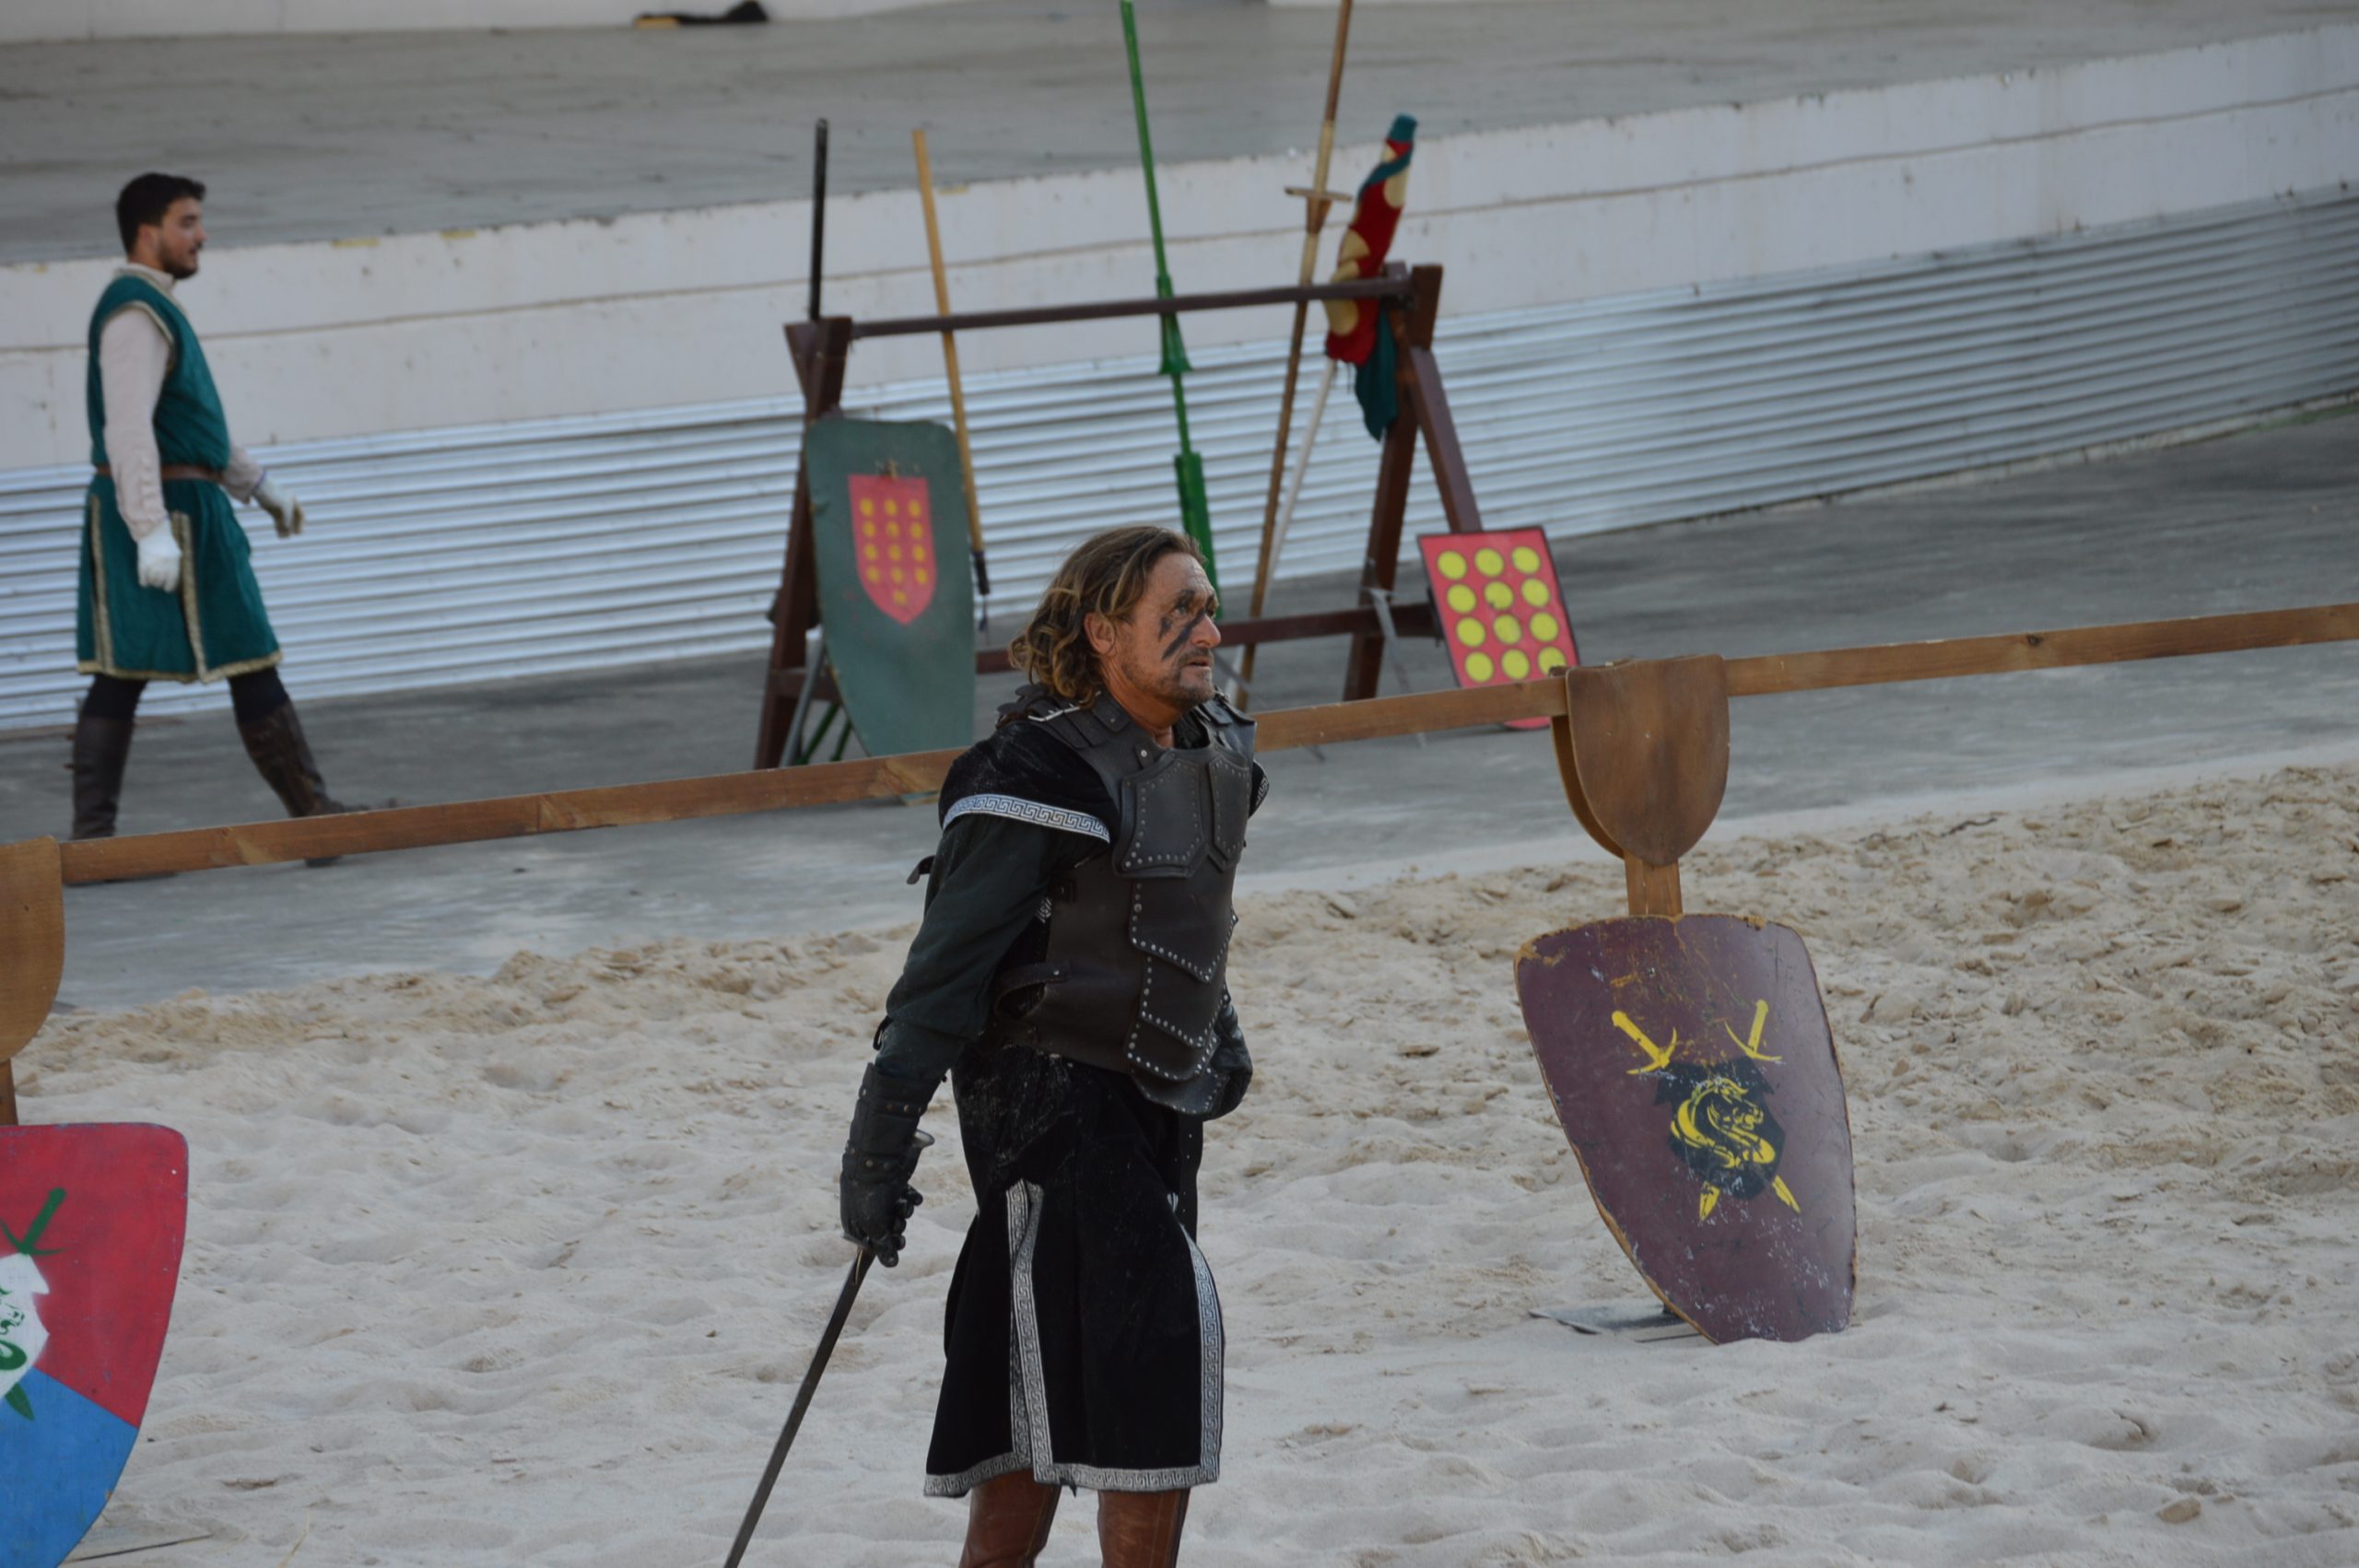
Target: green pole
x=1195 y=512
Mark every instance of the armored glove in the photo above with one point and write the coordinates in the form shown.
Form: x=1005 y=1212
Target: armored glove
x=1231 y=1063
x=879 y=1159
x=285 y=510
x=159 y=560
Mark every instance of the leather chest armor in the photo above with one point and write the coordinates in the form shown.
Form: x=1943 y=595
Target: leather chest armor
x=1135 y=972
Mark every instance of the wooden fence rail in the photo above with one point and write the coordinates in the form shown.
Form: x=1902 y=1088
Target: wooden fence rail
x=733 y=794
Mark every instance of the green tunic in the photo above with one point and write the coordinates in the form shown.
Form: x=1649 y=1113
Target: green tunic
x=215 y=626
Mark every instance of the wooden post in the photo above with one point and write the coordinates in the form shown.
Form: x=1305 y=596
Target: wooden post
x=1423 y=409
x=32 y=950
x=820 y=349
x=1652 y=889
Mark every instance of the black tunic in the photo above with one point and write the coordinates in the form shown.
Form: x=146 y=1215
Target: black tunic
x=1082 y=1332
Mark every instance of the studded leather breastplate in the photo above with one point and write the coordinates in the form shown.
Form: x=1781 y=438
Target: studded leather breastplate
x=1137 y=955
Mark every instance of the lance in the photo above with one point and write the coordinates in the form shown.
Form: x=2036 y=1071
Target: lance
x=1316 y=201
x=1195 y=512
x=958 y=393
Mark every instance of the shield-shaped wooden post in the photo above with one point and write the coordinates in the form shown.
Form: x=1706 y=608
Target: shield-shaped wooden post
x=1644 y=752
x=33 y=951
x=1688 y=1055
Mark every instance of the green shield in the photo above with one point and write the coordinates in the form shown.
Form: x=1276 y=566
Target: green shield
x=888 y=518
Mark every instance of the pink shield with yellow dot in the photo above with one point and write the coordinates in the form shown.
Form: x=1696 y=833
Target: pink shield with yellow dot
x=893 y=533
x=1499 y=606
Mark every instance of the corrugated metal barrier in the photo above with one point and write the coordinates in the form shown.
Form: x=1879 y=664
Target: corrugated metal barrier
x=461 y=554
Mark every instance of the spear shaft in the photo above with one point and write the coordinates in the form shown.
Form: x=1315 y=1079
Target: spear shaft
x=1194 y=511
x=1314 y=218
x=957 y=392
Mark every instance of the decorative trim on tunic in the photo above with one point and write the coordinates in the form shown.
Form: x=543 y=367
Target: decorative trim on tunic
x=103 y=625
x=1018 y=809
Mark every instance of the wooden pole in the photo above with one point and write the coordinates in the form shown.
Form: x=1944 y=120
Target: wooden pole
x=1314 y=219
x=950 y=360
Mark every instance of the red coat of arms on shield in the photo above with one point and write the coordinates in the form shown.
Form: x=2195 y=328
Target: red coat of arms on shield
x=893 y=529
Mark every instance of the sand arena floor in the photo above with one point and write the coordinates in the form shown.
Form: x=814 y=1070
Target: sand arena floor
x=525 y=1269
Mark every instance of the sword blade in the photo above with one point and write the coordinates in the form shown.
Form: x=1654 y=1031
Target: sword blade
x=802 y=1401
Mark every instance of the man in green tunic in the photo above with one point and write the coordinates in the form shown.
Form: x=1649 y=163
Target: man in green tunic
x=168 y=591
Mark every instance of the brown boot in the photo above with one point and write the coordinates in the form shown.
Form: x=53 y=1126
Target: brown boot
x=1141 y=1530
x=284 y=760
x=101 y=747
x=1007 y=1522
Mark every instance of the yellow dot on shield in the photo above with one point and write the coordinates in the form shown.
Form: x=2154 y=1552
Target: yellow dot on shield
x=1460 y=597
x=869 y=551
x=1515 y=664
x=867 y=525
x=924 y=578
x=897 y=574
x=1499 y=594
x=894 y=552
x=1450 y=564
x=917 y=551
x=1507 y=628
x=1544 y=628
x=899 y=597
x=917 y=509
x=867 y=507
x=1527 y=559
x=1489 y=562
x=1551 y=660
x=1470 y=632
x=892 y=507
x=1478 y=667
x=1535 y=592
x=892 y=531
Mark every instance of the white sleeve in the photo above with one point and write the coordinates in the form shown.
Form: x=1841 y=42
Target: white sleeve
x=242 y=473
x=133 y=355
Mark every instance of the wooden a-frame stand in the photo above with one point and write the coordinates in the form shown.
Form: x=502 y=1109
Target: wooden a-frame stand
x=821 y=347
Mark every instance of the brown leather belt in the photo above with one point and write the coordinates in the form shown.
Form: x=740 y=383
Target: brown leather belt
x=173 y=471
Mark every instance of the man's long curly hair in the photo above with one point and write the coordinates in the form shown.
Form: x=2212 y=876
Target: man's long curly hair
x=1104 y=576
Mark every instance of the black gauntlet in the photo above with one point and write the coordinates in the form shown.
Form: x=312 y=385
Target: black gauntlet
x=879 y=1159
x=1232 y=1063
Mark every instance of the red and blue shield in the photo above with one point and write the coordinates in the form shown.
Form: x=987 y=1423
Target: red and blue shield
x=90 y=1225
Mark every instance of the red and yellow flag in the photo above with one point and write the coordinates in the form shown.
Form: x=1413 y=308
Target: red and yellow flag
x=1350 y=335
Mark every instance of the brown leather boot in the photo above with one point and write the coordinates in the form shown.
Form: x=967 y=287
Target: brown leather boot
x=284 y=760
x=1007 y=1522
x=1141 y=1530
x=101 y=747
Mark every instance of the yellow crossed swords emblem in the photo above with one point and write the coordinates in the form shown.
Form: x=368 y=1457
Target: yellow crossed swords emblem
x=1719 y=1121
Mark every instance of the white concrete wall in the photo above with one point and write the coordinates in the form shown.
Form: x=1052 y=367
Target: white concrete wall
x=372 y=335
x=49 y=21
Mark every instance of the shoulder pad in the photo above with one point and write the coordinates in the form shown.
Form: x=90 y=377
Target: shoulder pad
x=1020 y=771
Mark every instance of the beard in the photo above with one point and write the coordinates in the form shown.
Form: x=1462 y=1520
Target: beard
x=179 y=269
x=1183 y=684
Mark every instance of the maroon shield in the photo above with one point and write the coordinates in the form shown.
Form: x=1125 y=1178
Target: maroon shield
x=1691 y=1065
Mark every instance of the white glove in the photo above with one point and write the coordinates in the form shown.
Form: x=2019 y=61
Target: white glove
x=159 y=560
x=285 y=509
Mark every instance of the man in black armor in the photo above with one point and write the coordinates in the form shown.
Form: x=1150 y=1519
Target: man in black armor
x=1068 y=977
